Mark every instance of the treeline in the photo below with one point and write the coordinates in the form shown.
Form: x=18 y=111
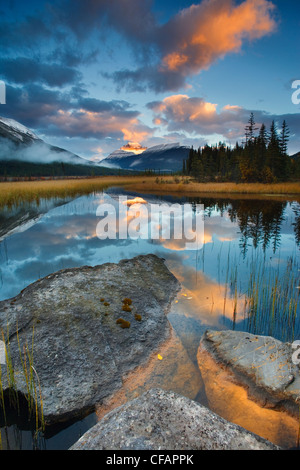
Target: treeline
x=261 y=158
x=16 y=168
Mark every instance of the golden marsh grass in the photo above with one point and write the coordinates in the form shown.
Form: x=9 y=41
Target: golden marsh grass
x=187 y=185
x=12 y=193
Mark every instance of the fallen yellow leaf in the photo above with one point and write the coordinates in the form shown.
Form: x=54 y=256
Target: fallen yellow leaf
x=159 y=357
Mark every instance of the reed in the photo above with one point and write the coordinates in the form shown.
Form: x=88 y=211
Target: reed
x=169 y=184
x=29 y=374
x=15 y=193
x=271 y=298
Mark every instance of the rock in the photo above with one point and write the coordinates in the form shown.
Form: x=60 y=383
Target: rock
x=251 y=381
x=68 y=320
x=167 y=421
x=172 y=370
x=262 y=363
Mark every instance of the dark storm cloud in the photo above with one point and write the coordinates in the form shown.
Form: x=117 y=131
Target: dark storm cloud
x=147 y=77
x=27 y=70
x=133 y=18
x=118 y=107
x=73 y=114
x=166 y=54
x=192 y=41
x=33 y=104
x=26 y=33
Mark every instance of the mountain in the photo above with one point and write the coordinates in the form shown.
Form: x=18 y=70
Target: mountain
x=165 y=158
x=296 y=156
x=17 y=142
x=16 y=132
x=23 y=153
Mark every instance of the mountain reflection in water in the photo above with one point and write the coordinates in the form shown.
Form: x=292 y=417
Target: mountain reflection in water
x=246 y=275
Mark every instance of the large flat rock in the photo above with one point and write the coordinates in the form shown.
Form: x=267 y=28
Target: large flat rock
x=167 y=421
x=68 y=320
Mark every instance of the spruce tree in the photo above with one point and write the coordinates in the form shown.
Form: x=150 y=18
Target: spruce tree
x=284 y=138
x=274 y=161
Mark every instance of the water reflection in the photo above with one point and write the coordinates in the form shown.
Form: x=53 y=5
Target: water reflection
x=239 y=236
x=249 y=246
x=261 y=222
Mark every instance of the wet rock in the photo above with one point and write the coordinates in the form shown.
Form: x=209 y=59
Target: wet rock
x=262 y=363
x=68 y=322
x=167 y=421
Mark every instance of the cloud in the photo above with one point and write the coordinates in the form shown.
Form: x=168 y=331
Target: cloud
x=195 y=38
x=24 y=33
x=118 y=107
x=101 y=125
x=212 y=29
x=195 y=116
x=63 y=37
x=73 y=115
x=27 y=70
x=134 y=147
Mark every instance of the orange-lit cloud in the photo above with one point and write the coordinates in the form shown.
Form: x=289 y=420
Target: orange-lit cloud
x=181 y=108
x=205 y=32
x=205 y=299
x=174 y=61
x=86 y=123
x=197 y=116
x=192 y=40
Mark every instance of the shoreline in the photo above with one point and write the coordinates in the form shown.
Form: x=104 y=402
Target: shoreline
x=15 y=192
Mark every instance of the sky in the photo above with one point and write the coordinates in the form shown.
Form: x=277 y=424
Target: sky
x=94 y=76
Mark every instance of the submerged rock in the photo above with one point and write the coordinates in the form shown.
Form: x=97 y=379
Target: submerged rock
x=264 y=364
x=167 y=421
x=68 y=321
x=251 y=380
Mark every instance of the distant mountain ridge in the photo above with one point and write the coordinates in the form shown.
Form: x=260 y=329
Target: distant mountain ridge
x=166 y=157
x=17 y=142
x=24 y=154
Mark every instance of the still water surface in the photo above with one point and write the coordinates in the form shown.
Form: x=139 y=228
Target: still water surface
x=245 y=277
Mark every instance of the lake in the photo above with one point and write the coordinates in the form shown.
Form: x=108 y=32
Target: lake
x=245 y=276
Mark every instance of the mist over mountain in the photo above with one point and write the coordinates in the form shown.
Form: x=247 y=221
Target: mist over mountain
x=23 y=153
x=17 y=142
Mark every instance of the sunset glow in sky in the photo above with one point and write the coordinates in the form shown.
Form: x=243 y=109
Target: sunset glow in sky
x=94 y=76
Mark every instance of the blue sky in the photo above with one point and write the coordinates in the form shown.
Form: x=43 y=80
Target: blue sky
x=93 y=76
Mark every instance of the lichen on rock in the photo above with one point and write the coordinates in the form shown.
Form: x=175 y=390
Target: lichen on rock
x=80 y=354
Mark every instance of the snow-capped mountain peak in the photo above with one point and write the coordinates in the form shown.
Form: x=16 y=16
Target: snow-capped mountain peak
x=163 y=157
x=17 y=130
x=119 y=154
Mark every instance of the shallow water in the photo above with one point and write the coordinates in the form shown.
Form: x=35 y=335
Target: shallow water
x=249 y=247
